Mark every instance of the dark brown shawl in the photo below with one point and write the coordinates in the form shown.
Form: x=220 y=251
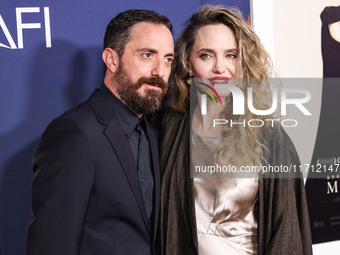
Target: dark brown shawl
x=283 y=222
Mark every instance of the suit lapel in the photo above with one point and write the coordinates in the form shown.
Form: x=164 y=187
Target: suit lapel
x=120 y=144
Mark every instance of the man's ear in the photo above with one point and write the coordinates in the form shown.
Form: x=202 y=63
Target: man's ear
x=111 y=60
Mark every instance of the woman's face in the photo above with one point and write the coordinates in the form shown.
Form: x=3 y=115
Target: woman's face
x=214 y=54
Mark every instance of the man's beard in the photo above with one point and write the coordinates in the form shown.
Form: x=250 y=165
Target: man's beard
x=127 y=91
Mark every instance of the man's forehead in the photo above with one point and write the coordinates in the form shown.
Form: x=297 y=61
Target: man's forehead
x=151 y=33
x=145 y=24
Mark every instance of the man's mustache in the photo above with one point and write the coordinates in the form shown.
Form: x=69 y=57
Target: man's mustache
x=157 y=81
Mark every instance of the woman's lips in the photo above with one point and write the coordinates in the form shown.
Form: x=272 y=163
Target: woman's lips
x=219 y=80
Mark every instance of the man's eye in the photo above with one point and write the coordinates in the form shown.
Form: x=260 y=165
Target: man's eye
x=169 y=60
x=147 y=55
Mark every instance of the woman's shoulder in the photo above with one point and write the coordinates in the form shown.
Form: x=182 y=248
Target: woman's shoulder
x=274 y=133
x=280 y=147
x=169 y=114
x=167 y=117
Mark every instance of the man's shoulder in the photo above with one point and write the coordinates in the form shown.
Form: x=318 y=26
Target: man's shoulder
x=81 y=115
x=83 y=110
x=77 y=113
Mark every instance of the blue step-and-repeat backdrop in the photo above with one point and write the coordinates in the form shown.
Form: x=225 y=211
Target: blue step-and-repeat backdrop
x=50 y=54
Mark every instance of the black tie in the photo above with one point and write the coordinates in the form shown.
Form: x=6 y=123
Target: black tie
x=144 y=168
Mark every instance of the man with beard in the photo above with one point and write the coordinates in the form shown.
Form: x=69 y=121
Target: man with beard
x=96 y=170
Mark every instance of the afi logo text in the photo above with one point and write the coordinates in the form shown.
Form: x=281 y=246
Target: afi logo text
x=21 y=26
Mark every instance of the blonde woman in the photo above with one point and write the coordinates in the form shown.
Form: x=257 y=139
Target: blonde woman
x=259 y=215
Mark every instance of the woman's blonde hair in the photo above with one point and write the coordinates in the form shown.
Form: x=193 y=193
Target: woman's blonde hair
x=239 y=143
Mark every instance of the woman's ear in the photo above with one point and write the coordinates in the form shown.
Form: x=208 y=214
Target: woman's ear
x=190 y=69
x=111 y=60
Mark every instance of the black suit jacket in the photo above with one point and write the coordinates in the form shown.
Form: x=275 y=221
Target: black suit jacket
x=86 y=195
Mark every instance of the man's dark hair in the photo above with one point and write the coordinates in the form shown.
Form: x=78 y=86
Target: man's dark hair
x=117 y=33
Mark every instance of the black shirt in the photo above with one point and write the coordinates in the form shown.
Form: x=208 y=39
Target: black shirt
x=136 y=132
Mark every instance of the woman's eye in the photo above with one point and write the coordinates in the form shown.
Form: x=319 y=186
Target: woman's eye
x=231 y=56
x=205 y=55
